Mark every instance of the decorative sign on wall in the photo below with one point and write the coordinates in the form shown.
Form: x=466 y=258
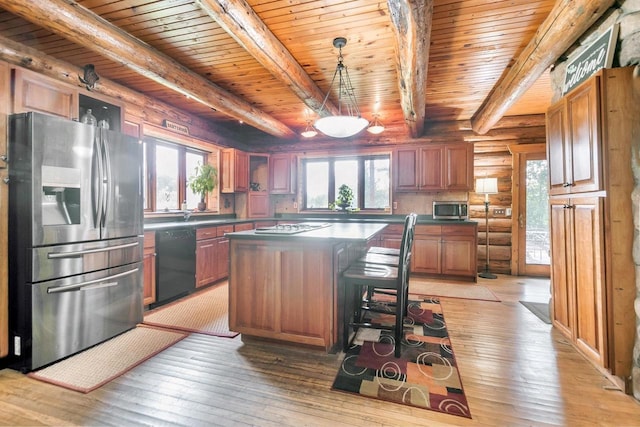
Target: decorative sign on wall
x=175 y=127
x=598 y=55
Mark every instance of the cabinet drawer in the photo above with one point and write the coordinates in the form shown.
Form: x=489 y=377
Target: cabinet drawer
x=149 y=239
x=243 y=227
x=221 y=229
x=206 y=233
x=429 y=230
x=459 y=230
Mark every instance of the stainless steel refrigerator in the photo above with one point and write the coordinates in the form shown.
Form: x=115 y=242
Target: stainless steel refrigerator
x=75 y=237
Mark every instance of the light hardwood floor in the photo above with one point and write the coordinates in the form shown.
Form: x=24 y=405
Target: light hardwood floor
x=515 y=369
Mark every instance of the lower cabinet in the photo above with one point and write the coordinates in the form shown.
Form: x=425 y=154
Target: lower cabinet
x=212 y=254
x=149 y=268
x=578 y=274
x=446 y=250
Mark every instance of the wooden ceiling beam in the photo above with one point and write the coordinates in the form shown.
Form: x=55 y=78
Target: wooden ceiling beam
x=87 y=29
x=238 y=19
x=567 y=21
x=412 y=26
x=35 y=60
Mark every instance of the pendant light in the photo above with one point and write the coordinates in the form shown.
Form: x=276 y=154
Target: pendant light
x=348 y=121
x=309 y=131
x=375 y=127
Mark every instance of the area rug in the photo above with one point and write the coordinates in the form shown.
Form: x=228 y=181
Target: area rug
x=205 y=312
x=425 y=376
x=94 y=367
x=540 y=309
x=459 y=290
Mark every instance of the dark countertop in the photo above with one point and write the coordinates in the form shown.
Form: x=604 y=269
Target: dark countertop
x=339 y=231
x=212 y=220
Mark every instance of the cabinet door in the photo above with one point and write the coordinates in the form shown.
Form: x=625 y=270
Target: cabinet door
x=405 y=172
x=589 y=279
x=432 y=168
x=234 y=171
x=558 y=163
x=562 y=265
x=206 y=263
x=458 y=162
x=425 y=255
x=35 y=92
x=258 y=204
x=583 y=123
x=149 y=275
x=282 y=174
x=459 y=256
x=222 y=257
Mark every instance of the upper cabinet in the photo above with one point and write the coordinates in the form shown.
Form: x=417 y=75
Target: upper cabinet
x=235 y=171
x=435 y=167
x=35 y=92
x=282 y=173
x=574 y=140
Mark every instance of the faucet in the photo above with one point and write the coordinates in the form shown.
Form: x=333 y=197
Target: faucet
x=187 y=214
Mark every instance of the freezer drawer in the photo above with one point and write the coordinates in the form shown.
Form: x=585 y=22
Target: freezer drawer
x=51 y=262
x=72 y=314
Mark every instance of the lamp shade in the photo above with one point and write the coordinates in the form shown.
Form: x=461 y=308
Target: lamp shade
x=341 y=126
x=487 y=185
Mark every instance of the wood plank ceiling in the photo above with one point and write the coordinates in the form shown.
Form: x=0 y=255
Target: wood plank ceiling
x=472 y=45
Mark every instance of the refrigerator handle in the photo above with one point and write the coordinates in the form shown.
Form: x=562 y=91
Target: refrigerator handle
x=91 y=283
x=108 y=178
x=97 y=183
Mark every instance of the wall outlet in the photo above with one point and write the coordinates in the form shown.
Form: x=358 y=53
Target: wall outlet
x=295 y=205
x=499 y=212
x=395 y=205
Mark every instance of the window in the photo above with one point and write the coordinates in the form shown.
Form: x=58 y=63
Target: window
x=167 y=170
x=368 y=177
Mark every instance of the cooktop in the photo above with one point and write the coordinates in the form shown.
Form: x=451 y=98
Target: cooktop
x=292 y=228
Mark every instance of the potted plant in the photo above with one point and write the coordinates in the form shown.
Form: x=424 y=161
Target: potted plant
x=202 y=182
x=344 y=199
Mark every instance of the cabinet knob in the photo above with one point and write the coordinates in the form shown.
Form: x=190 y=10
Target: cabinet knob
x=4 y=158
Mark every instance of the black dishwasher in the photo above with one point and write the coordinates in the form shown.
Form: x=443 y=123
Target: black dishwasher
x=176 y=264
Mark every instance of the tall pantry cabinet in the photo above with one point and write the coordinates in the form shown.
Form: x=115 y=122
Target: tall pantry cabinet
x=590 y=136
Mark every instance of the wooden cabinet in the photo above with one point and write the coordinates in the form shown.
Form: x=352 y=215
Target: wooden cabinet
x=234 y=170
x=573 y=135
x=445 y=250
x=578 y=273
x=212 y=254
x=149 y=268
x=286 y=290
x=258 y=204
x=36 y=92
x=282 y=173
x=590 y=151
x=434 y=167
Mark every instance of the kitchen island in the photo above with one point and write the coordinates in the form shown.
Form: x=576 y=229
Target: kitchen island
x=283 y=281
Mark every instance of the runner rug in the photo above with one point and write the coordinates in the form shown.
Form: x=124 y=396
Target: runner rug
x=461 y=290
x=425 y=375
x=205 y=312
x=96 y=366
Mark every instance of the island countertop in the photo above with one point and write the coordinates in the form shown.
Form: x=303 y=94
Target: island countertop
x=339 y=232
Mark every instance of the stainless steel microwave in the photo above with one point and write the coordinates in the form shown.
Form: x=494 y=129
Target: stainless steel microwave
x=450 y=210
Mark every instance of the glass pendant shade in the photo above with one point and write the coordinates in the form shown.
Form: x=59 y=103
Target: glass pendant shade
x=376 y=127
x=341 y=126
x=309 y=131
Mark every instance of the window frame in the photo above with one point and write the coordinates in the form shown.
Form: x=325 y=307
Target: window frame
x=151 y=184
x=332 y=179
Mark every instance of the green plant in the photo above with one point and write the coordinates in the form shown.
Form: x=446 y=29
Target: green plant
x=204 y=180
x=344 y=198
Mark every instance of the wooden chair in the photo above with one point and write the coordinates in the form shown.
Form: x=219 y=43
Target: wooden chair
x=368 y=278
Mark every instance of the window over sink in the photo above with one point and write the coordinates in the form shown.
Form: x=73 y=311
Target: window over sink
x=368 y=177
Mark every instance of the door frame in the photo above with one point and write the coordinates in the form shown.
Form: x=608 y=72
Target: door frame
x=517 y=151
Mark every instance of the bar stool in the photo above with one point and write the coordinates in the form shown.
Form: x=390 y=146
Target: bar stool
x=372 y=277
